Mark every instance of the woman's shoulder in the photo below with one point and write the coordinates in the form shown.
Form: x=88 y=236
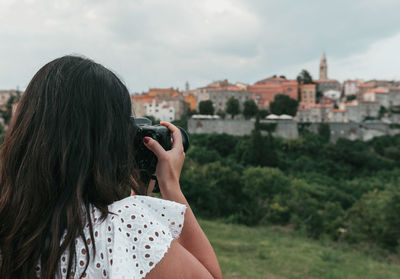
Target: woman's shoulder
x=156 y=206
x=145 y=209
x=138 y=232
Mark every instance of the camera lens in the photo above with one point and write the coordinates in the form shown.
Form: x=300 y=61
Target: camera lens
x=185 y=139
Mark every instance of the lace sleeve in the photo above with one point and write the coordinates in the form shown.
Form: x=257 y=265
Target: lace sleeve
x=142 y=231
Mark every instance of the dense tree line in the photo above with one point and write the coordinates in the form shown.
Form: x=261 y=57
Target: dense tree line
x=349 y=190
x=282 y=104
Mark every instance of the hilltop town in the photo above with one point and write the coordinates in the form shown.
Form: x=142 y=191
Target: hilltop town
x=321 y=100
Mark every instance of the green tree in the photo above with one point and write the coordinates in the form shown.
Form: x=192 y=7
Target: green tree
x=224 y=144
x=383 y=111
x=221 y=114
x=376 y=218
x=263 y=188
x=206 y=107
x=232 y=107
x=324 y=131
x=350 y=98
x=283 y=104
x=213 y=190
x=250 y=109
x=260 y=150
x=304 y=77
x=203 y=155
x=262 y=113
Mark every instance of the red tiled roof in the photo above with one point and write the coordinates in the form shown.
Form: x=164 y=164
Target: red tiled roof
x=366 y=85
x=393 y=87
x=271 y=80
x=325 y=80
x=308 y=86
x=377 y=90
x=367 y=101
x=312 y=105
x=227 y=88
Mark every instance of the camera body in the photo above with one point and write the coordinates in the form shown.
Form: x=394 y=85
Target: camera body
x=145 y=159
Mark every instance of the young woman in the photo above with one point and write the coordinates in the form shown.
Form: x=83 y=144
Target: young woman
x=67 y=171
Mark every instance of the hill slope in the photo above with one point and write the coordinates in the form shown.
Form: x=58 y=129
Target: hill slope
x=252 y=253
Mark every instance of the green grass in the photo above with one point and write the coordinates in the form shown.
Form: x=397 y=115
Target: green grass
x=263 y=252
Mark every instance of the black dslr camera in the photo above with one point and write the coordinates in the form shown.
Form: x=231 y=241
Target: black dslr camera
x=145 y=159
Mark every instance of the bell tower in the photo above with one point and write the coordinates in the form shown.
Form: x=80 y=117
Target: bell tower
x=323 y=68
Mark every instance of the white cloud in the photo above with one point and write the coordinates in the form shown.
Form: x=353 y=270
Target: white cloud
x=379 y=61
x=153 y=43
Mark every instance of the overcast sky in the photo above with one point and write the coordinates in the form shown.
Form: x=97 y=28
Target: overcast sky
x=164 y=43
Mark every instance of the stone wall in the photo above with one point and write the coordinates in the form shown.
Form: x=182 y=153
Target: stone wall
x=290 y=129
x=231 y=127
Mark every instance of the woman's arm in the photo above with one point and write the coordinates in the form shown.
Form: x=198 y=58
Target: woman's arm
x=192 y=239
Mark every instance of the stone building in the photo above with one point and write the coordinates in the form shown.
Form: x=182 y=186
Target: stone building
x=220 y=98
x=160 y=109
x=161 y=93
x=368 y=109
x=308 y=93
x=192 y=101
x=337 y=115
x=323 y=83
x=138 y=101
x=351 y=87
x=394 y=96
x=264 y=91
x=359 y=111
x=323 y=68
x=332 y=94
x=202 y=93
x=308 y=112
x=364 y=87
x=352 y=112
x=179 y=104
x=379 y=95
x=384 y=83
x=326 y=85
x=142 y=104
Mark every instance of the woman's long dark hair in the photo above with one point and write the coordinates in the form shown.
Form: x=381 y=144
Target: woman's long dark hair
x=69 y=145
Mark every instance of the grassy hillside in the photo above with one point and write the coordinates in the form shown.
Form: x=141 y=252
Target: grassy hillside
x=262 y=252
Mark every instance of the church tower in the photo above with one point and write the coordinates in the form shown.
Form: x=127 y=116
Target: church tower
x=323 y=68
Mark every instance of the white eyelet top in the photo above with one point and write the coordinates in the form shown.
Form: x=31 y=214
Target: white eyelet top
x=130 y=242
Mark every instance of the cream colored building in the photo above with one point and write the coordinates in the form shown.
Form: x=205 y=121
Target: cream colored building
x=308 y=93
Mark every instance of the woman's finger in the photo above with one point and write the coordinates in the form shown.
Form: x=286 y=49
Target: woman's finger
x=154 y=146
x=176 y=134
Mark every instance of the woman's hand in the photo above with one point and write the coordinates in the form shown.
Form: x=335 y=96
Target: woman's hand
x=169 y=165
x=193 y=245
